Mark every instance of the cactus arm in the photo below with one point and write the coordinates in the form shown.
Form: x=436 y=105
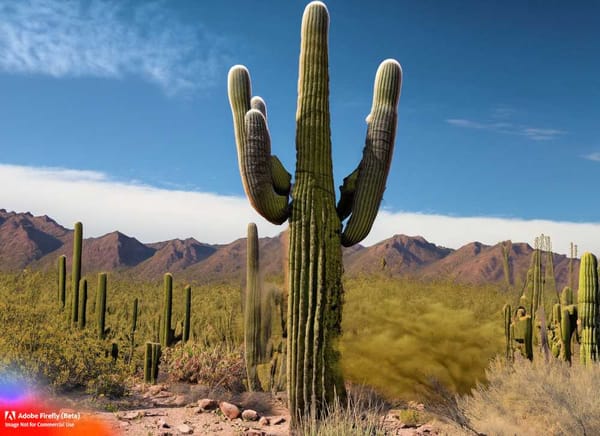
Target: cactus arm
x=377 y=154
x=254 y=148
x=347 y=190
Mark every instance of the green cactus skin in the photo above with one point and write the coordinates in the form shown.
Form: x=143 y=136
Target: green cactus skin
x=523 y=332
x=82 y=303
x=254 y=346
x=315 y=294
x=508 y=331
x=114 y=351
x=101 y=306
x=76 y=271
x=587 y=301
x=188 y=313
x=166 y=335
x=134 y=315
x=566 y=296
x=151 y=362
x=62 y=280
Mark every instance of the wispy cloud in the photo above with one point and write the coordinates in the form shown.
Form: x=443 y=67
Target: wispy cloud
x=108 y=39
x=595 y=156
x=534 y=133
x=154 y=214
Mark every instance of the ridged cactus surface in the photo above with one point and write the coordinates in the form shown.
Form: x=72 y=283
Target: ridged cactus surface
x=76 y=271
x=588 y=301
x=315 y=294
x=101 y=306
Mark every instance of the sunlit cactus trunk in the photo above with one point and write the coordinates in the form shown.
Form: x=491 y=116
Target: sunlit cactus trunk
x=101 y=306
x=315 y=294
x=76 y=271
x=82 y=304
x=254 y=343
x=588 y=299
x=62 y=280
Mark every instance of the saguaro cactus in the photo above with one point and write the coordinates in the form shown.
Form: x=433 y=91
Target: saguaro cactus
x=151 y=361
x=588 y=300
x=316 y=236
x=188 y=314
x=82 y=303
x=254 y=341
x=76 y=271
x=101 y=305
x=167 y=333
x=508 y=331
x=62 y=280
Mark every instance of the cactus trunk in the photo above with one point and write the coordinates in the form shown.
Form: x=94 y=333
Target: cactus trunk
x=188 y=313
x=151 y=361
x=166 y=335
x=588 y=301
x=76 y=271
x=253 y=344
x=101 y=306
x=82 y=303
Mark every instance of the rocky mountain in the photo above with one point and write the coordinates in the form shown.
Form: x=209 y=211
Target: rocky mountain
x=27 y=241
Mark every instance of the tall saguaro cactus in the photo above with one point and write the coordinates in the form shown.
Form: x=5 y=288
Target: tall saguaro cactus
x=316 y=236
x=187 y=320
x=82 y=303
x=588 y=299
x=167 y=333
x=101 y=306
x=76 y=271
x=62 y=280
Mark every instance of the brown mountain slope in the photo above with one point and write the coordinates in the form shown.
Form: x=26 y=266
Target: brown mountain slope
x=402 y=254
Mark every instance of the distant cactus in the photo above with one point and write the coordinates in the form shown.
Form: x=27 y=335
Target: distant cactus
x=587 y=301
x=76 y=271
x=82 y=303
x=508 y=331
x=316 y=235
x=134 y=317
x=522 y=332
x=62 y=280
x=151 y=362
x=188 y=313
x=114 y=351
x=101 y=306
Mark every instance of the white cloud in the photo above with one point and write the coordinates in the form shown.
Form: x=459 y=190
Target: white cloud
x=108 y=39
x=152 y=214
x=593 y=156
x=535 y=133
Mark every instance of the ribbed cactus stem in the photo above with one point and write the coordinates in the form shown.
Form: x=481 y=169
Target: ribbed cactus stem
x=76 y=271
x=151 y=362
x=101 y=306
x=588 y=300
x=315 y=294
x=82 y=303
x=253 y=348
x=508 y=330
x=167 y=333
x=566 y=296
x=134 y=315
x=62 y=280
x=188 y=313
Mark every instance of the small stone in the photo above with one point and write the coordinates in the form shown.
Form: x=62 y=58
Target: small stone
x=129 y=415
x=264 y=421
x=279 y=420
x=161 y=423
x=231 y=411
x=179 y=401
x=206 y=404
x=185 y=429
x=254 y=432
x=153 y=390
x=250 y=415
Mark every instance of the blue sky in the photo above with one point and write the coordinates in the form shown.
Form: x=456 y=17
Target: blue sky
x=498 y=118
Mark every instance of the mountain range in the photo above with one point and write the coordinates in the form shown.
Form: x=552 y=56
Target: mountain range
x=35 y=242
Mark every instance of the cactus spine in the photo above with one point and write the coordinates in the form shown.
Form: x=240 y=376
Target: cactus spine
x=101 y=306
x=151 y=361
x=187 y=321
x=315 y=262
x=254 y=343
x=82 y=303
x=76 y=271
x=166 y=332
x=588 y=300
x=62 y=280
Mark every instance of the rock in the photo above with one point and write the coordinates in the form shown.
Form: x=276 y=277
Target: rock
x=231 y=411
x=154 y=390
x=179 y=401
x=254 y=432
x=250 y=415
x=425 y=429
x=185 y=429
x=206 y=404
x=130 y=415
x=161 y=423
x=279 y=420
x=264 y=421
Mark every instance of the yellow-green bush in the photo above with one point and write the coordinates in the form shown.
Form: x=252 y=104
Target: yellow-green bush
x=400 y=336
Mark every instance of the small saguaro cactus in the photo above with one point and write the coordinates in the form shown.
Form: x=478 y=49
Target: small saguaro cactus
x=188 y=314
x=151 y=361
x=522 y=332
x=76 y=271
x=82 y=303
x=255 y=342
x=316 y=236
x=101 y=306
x=134 y=316
x=62 y=280
x=166 y=332
x=508 y=331
x=587 y=301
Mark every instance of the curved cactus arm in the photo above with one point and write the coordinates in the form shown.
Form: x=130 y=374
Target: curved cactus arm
x=377 y=154
x=347 y=190
x=254 y=149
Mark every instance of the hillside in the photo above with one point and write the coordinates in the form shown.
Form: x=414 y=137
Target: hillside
x=33 y=242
